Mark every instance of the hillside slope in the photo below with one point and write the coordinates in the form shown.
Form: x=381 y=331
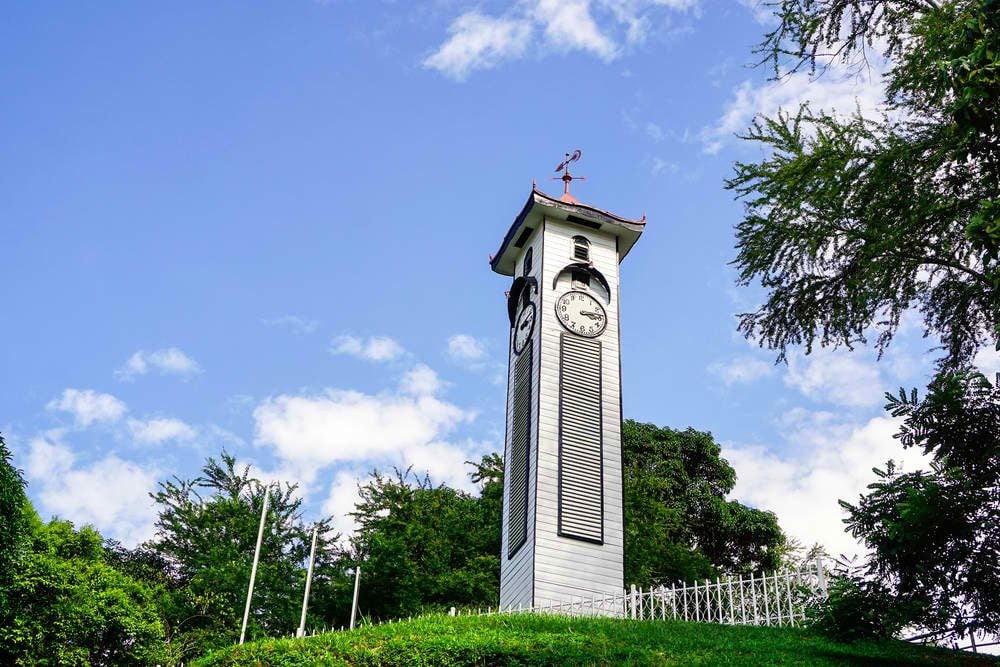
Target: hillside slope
x=549 y=640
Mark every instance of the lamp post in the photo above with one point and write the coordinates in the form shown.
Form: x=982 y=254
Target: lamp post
x=309 y=575
x=354 y=605
x=256 y=558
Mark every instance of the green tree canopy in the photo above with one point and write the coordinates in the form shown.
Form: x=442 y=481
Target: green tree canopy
x=678 y=524
x=205 y=540
x=852 y=222
x=935 y=535
x=70 y=607
x=427 y=547
x=13 y=524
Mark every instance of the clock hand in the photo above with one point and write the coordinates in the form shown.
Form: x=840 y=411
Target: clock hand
x=591 y=314
x=526 y=323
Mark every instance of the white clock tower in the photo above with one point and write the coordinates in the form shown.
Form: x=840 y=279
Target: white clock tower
x=562 y=528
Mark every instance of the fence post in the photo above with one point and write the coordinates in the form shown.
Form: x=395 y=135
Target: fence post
x=684 y=591
x=673 y=601
x=718 y=595
x=753 y=594
x=777 y=599
x=697 y=606
x=732 y=607
x=821 y=575
x=743 y=601
x=791 y=608
x=767 y=608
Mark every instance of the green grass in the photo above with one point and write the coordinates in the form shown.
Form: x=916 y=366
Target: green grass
x=551 y=640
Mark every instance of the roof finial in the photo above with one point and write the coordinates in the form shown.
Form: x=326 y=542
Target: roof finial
x=567 y=177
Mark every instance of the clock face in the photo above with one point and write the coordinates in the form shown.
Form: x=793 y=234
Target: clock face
x=581 y=313
x=523 y=326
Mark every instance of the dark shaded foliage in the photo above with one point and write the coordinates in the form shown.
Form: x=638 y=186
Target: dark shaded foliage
x=935 y=534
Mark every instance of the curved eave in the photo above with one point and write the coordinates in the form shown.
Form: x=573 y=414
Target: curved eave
x=541 y=205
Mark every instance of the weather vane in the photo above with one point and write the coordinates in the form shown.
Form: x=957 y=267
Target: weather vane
x=567 y=177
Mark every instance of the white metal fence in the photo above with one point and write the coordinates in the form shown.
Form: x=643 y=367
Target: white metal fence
x=779 y=599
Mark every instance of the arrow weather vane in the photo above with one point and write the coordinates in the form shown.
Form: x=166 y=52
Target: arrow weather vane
x=567 y=177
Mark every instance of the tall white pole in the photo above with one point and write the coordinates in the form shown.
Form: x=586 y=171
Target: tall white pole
x=354 y=605
x=309 y=576
x=253 y=572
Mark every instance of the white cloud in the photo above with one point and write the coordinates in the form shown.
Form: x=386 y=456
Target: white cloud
x=463 y=347
x=295 y=323
x=835 y=90
x=832 y=460
x=479 y=42
x=110 y=493
x=340 y=426
x=167 y=361
x=155 y=431
x=660 y=166
x=409 y=427
x=762 y=13
x=341 y=501
x=836 y=376
x=443 y=461
x=740 y=369
x=374 y=348
x=602 y=28
x=88 y=406
x=987 y=360
x=654 y=131
x=421 y=380
x=569 y=26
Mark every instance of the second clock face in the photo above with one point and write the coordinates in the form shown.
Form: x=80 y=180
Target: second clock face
x=581 y=313
x=523 y=327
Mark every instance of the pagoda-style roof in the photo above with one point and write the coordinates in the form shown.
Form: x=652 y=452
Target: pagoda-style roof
x=541 y=205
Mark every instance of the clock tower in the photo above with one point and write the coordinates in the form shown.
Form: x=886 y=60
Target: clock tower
x=562 y=534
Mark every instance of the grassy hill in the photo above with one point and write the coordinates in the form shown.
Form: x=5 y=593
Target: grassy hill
x=549 y=640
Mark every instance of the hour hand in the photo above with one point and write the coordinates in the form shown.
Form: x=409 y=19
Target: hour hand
x=525 y=324
x=591 y=314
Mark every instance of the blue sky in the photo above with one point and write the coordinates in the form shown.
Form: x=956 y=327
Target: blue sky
x=265 y=227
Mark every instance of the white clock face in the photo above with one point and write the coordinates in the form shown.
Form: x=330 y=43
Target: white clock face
x=581 y=313
x=523 y=326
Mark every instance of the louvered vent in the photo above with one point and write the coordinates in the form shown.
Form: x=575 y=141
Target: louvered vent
x=517 y=507
x=581 y=474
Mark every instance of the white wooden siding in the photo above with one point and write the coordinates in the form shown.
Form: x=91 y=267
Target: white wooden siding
x=549 y=568
x=566 y=567
x=517 y=573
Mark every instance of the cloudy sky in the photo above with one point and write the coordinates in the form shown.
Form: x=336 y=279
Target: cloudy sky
x=265 y=228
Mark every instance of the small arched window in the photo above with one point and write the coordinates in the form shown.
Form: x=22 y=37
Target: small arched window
x=581 y=249
x=526 y=266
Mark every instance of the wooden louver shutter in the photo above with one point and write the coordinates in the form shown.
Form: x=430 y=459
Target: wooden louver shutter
x=520 y=442
x=581 y=472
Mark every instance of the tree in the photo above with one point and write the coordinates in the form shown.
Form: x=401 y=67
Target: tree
x=72 y=608
x=203 y=550
x=425 y=547
x=678 y=524
x=935 y=535
x=851 y=222
x=13 y=526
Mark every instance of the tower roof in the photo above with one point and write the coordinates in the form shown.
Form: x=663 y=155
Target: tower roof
x=541 y=205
